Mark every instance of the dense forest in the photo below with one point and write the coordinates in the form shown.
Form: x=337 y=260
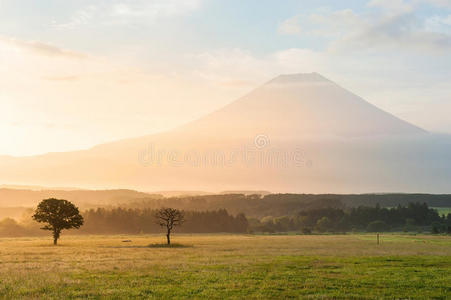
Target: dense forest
x=133 y=221
x=412 y=217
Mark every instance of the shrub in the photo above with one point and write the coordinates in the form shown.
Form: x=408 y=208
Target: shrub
x=377 y=226
x=410 y=225
x=323 y=224
x=306 y=230
x=437 y=228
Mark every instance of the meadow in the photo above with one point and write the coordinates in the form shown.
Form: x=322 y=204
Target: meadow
x=233 y=266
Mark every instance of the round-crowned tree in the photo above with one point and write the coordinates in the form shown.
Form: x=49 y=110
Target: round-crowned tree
x=58 y=214
x=377 y=226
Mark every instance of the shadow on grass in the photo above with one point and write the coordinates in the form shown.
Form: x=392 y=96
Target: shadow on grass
x=174 y=245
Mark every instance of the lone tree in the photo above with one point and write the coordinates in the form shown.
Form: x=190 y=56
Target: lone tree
x=59 y=215
x=169 y=218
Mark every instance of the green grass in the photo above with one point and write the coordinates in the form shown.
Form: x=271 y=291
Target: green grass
x=227 y=266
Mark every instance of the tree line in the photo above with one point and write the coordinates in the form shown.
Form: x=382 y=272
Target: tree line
x=321 y=217
x=135 y=220
x=411 y=217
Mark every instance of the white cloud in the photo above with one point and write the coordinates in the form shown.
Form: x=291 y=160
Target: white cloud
x=336 y=23
x=440 y=3
x=81 y=17
x=393 y=7
x=396 y=26
x=290 y=26
x=154 y=8
x=404 y=32
x=228 y=65
x=41 y=48
x=120 y=12
x=439 y=24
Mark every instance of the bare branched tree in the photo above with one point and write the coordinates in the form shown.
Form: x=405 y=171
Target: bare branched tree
x=169 y=218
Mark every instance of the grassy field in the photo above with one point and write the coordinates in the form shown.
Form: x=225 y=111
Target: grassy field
x=233 y=266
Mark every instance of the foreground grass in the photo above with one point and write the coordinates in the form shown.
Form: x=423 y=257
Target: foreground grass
x=234 y=266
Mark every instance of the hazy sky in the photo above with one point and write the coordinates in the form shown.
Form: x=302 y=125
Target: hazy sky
x=77 y=73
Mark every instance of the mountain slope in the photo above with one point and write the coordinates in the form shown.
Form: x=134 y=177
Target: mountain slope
x=301 y=105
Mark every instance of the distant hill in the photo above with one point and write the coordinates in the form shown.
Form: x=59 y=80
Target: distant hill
x=83 y=198
x=263 y=193
x=35 y=187
x=14 y=202
x=181 y=193
x=276 y=205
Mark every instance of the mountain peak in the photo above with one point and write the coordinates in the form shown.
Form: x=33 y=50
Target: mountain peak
x=299 y=77
x=297 y=106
